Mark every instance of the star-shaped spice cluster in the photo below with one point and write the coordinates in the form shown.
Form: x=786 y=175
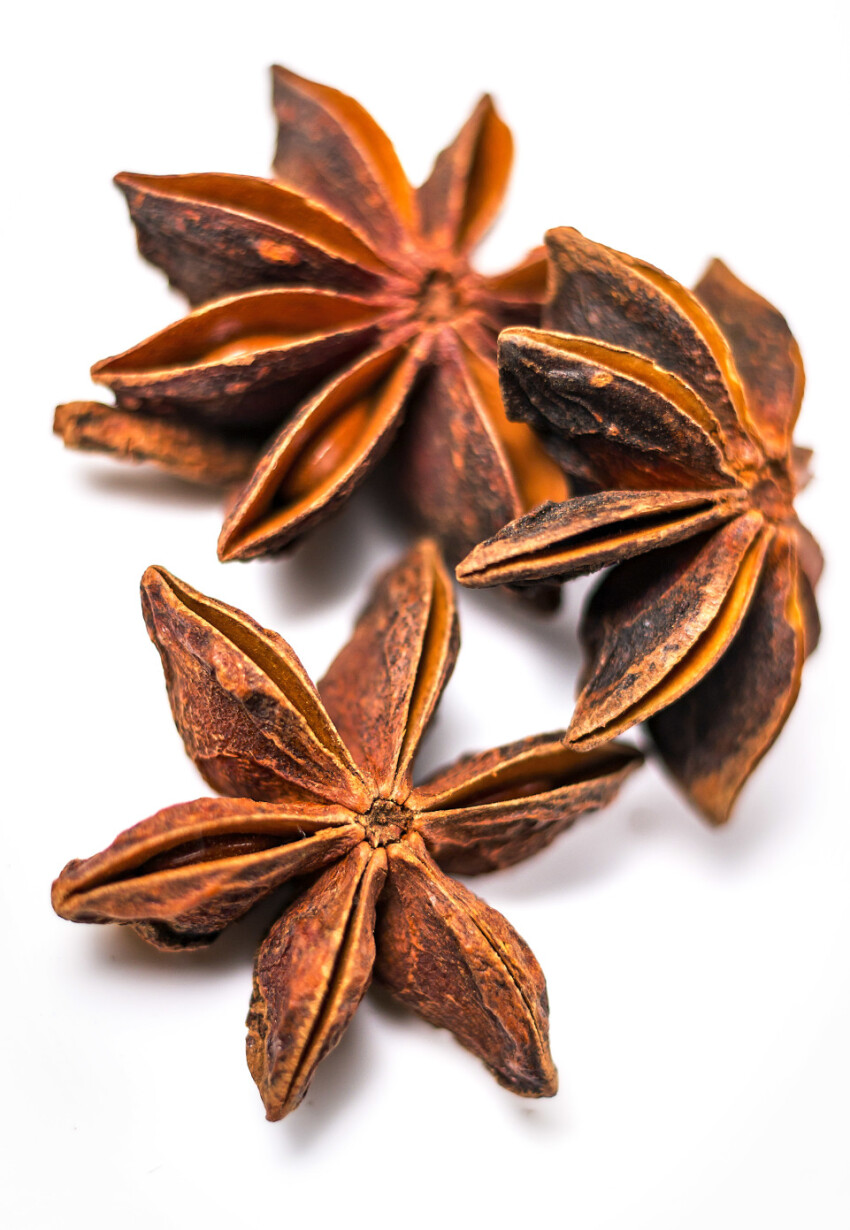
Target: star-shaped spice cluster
x=318 y=785
x=349 y=307
x=673 y=411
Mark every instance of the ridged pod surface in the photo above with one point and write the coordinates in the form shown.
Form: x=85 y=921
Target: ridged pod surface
x=317 y=782
x=673 y=411
x=337 y=312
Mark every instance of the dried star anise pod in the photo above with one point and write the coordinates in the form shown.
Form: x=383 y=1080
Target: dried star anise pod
x=351 y=306
x=320 y=784
x=674 y=410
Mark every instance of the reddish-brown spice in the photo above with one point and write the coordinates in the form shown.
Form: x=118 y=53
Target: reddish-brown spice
x=318 y=781
x=674 y=411
x=350 y=306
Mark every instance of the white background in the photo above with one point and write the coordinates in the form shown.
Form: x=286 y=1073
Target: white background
x=698 y=980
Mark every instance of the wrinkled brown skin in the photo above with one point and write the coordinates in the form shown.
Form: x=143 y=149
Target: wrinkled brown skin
x=317 y=781
x=674 y=411
x=438 y=943
x=189 y=452
x=350 y=310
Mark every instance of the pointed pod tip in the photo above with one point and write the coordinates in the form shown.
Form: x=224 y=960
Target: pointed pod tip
x=280 y=70
x=159 y=582
x=226 y=548
x=716 y=810
x=238 y=543
x=276 y=1110
x=515 y=333
x=583 y=735
x=486 y=104
x=287 y=79
x=542 y=1083
x=132 y=181
x=154 y=574
x=520 y=345
x=550 y=1087
x=468 y=570
x=510 y=347
x=558 y=236
x=716 y=263
x=235 y=534
x=59 y=891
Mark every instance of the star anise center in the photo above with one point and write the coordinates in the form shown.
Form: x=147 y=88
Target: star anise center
x=386 y=822
x=774 y=492
x=440 y=297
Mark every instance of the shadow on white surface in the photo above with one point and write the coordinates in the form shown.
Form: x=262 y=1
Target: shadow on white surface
x=341 y=1081
x=146 y=485
x=550 y=633
x=234 y=949
x=338 y=561
x=650 y=819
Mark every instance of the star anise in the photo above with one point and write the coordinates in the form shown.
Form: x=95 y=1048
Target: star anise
x=675 y=411
x=320 y=783
x=351 y=305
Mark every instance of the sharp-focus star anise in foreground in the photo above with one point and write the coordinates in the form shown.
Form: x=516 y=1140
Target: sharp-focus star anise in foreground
x=319 y=784
x=674 y=411
x=350 y=306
